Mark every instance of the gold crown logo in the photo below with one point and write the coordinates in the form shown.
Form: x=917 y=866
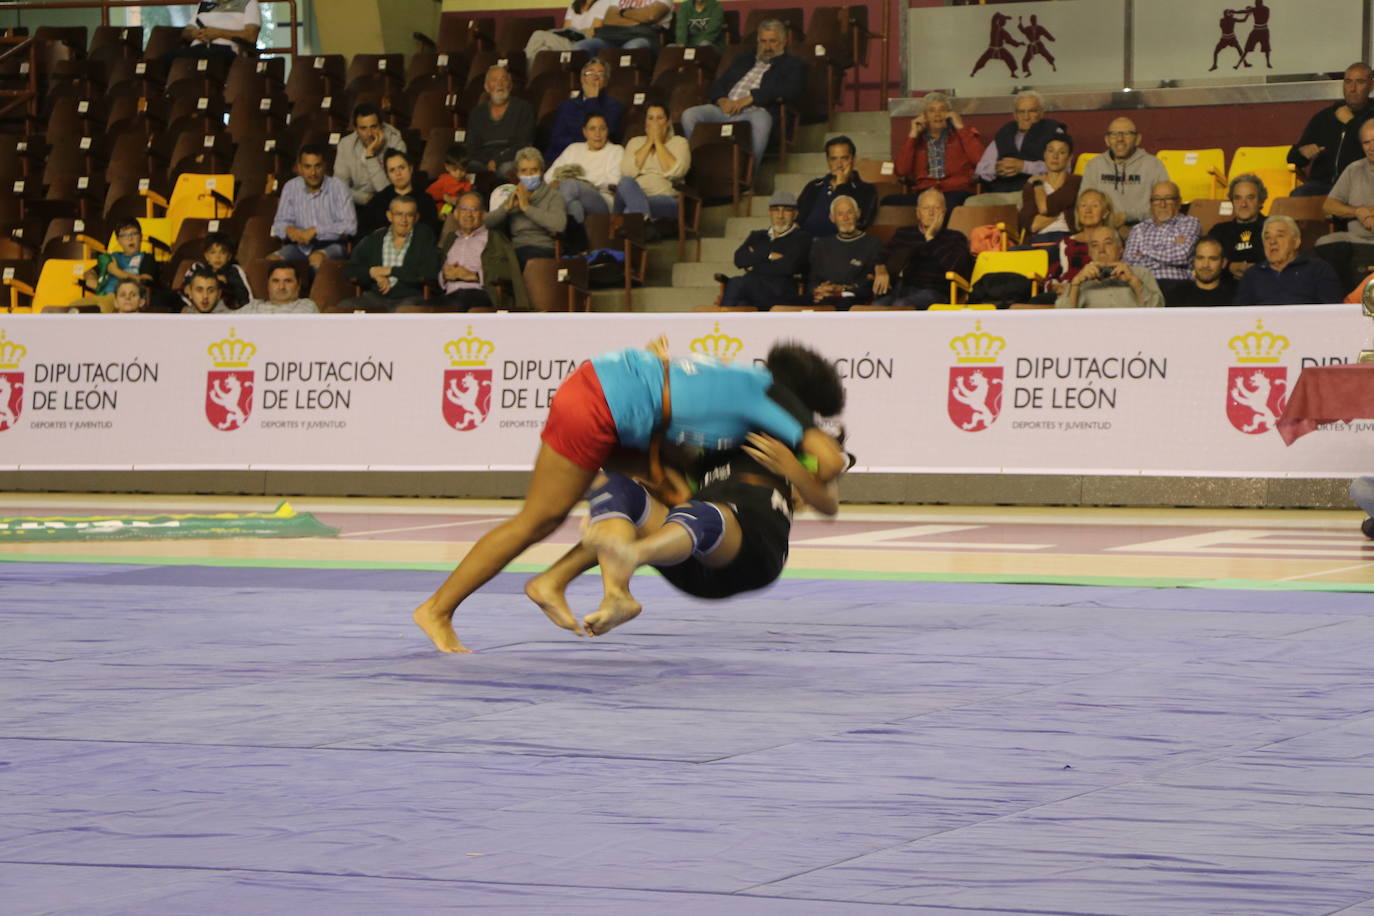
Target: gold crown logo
x=717 y=345
x=11 y=353
x=469 y=350
x=231 y=352
x=1258 y=346
x=977 y=346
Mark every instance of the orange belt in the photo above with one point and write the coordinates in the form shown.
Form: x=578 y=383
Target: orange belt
x=656 y=438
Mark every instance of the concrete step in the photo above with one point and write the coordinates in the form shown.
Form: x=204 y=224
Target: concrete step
x=702 y=273
x=847 y=122
x=720 y=250
x=651 y=299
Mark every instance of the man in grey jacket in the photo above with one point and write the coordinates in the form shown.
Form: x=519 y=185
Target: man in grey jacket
x=358 y=162
x=1125 y=173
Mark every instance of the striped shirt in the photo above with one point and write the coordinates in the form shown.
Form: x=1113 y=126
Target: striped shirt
x=751 y=80
x=330 y=210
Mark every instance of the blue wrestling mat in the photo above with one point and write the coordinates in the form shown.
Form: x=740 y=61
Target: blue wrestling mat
x=187 y=739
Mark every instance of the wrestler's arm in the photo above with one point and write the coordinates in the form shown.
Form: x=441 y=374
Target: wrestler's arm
x=817 y=489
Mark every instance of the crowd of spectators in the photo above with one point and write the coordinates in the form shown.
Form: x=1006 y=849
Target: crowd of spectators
x=523 y=183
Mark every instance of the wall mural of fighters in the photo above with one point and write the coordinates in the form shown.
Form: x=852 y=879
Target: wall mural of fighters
x=999 y=38
x=1258 y=16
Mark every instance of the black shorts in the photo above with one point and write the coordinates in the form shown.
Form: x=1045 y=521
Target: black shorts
x=763 y=548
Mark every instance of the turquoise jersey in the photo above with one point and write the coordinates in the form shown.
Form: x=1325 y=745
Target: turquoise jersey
x=714 y=404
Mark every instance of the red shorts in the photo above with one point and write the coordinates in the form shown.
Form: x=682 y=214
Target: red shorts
x=580 y=426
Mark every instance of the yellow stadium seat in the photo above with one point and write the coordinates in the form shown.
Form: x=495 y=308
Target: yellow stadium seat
x=157 y=237
x=1271 y=164
x=1031 y=264
x=59 y=284
x=1197 y=172
x=1081 y=165
x=195 y=196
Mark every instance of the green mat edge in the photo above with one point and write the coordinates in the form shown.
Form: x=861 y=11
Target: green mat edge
x=844 y=575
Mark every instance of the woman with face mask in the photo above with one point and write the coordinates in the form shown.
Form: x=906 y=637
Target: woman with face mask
x=532 y=212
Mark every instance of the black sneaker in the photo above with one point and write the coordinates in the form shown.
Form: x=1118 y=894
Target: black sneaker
x=1367 y=526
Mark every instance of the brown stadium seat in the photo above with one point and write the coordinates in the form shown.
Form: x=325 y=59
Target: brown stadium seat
x=640 y=60
x=162 y=40
x=435 y=109
x=514 y=32
x=437 y=144
x=567 y=63
x=791 y=15
x=254 y=77
x=390 y=66
x=701 y=63
x=470 y=33
x=330 y=286
x=722 y=167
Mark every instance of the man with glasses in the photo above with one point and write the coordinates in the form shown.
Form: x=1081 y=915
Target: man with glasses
x=1108 y=282
x=1126 y=173
x=753 y=88
x=1164 y=242
x=572 y=112
x=1016 y=153
x=393 y=265
x=475 y=258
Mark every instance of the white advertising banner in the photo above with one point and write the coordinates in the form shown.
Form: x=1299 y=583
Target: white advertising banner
x=1149 y=391
x=1184 y=39
x=990 y=50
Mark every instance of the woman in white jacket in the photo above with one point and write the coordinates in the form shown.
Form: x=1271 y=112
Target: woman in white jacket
x=585 y=173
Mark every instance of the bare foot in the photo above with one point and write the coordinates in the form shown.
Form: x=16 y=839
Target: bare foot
x=438 y=627
x=616 y=608
x=544 y=591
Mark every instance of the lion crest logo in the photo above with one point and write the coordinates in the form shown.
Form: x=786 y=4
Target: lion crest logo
x=1255 y=397
x=228 y=398
x=467 y=398
x=975 y=396
x=11 y=399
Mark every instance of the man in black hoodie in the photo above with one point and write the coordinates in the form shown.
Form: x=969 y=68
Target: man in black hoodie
x=1332 y=138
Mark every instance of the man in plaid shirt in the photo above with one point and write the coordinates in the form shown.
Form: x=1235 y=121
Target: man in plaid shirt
x=1164 y=242
x=753 y=88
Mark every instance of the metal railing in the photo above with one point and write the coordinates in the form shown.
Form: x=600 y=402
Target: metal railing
x=106 y=5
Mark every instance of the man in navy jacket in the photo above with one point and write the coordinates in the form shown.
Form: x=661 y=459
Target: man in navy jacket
x=773 y=259
x=753 y=87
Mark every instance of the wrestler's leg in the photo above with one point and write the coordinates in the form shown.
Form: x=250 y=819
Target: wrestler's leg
x=625 y=513
x=549 y=589
x=672 y=543
x=555 y=487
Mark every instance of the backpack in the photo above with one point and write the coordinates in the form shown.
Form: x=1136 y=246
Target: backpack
x=1001 y=288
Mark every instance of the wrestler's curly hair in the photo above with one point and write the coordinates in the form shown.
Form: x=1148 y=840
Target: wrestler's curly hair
x=808 y=375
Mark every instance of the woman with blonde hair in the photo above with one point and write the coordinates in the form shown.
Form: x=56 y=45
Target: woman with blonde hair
x=1092 y=209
